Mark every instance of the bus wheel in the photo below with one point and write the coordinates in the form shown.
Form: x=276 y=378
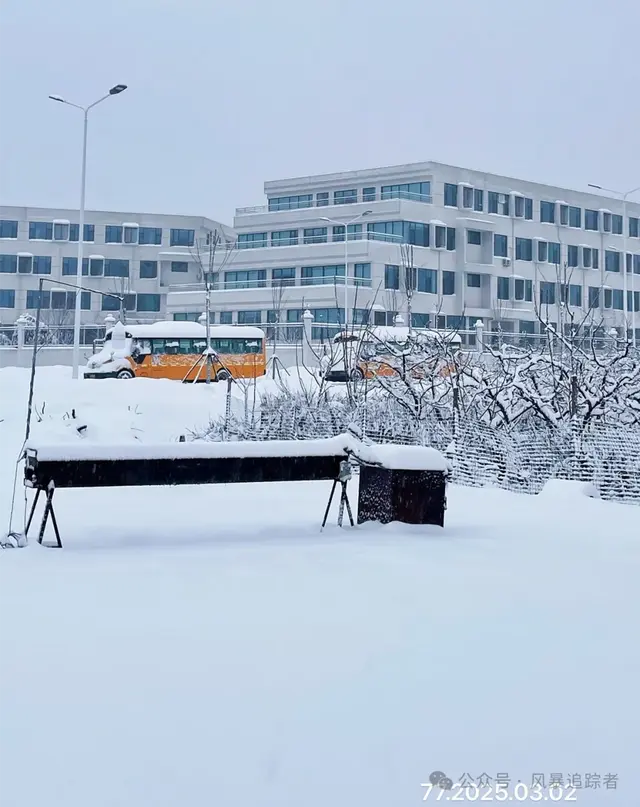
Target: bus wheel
x=125 y=374
x=357 y=374
x=223 y=375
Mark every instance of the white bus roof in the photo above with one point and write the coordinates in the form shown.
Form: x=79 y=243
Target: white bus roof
x=398 y=333
x=169 y=329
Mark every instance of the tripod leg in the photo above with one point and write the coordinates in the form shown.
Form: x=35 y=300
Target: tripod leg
x=32 y=512
x=341 y=507
x=326 y=512
x=190 y=370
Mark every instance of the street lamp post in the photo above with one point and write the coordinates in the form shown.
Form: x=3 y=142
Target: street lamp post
x=346 y=226
x=115 y=90
x=625 y=228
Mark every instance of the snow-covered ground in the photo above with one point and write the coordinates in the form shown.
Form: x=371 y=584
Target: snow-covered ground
x=209 y=646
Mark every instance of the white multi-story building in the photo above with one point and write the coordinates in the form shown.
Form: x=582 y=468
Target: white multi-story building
x=135 y=255
x=485 y=247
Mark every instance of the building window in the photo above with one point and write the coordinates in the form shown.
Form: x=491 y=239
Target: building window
x=322 y=199
x=188 y=316
x=89 y=233
x=116 y=267
x=451 y=238
x=523 y=290
x=548 y=212
x=606 y=221
x=112 y=234
x=618 y=300
x=418 y=191
x=8 y=229
x=148 y=269
x=321 y=275
x=634 y=227
x=249 y=317
x=572 y=256
x=355 y=232
x=547 y=293
x=8 y=264
x=148 y=302
x=575 y=216
x=607 y=298
x=252 y=240
x=523 y=207
x=498 y=203
x=314 y=235
x=25 y=264
x=7 y=298
x=70 y=266
x=226 y=317
x=130 y=234
x=503 y=288
x=440 y=237
x=419 y=320
x=345 y=197
x=591 y=219
x=543 y=251
x=448 y=283
x=41 y=265
x=283 y=276
x=564 y=215
x=450 y=195
x=524 y=249
x=392 y=276
x=467 y=197
x=40 y=230
x=326 y=316
x=594 y=297
x=110 y=303
x=284 y=238
x=474 y=237
x=590 y=258
x=474 y=281
x=575 y=295
x=60 y=232
x=34 y=296
x=150 y=235
x=368 y=194
x=554 y=252
x=500 y=245
x=246 y=279
x=427 y=281
x=616 y=224
x=186 y=238
x=611 y=261
x=362 y=274
x=478 y=200
x=96 y=267
x=291 y=202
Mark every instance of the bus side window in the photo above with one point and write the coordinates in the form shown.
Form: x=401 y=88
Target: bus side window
x=157 y=346
x=185 y=346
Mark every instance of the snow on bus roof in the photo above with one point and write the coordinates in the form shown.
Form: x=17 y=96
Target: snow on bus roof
x=170 y=329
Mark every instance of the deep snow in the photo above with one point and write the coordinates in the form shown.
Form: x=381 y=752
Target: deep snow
x=210 y=646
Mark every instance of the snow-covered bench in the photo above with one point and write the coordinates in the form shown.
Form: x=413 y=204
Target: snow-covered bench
x=79 y=465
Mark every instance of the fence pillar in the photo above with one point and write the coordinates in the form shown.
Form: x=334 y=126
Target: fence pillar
x=479 y=326
x=307 y=351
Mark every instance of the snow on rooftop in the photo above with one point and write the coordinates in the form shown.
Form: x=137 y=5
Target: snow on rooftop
x=96 y=257
x=437 y=223
x=61 y=221
x=130 y=224
x=25 y=254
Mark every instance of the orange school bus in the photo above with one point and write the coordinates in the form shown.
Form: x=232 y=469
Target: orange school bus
x=177 y=350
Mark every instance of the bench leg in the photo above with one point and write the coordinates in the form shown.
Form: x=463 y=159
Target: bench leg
x=32 y=513
x=48 y=510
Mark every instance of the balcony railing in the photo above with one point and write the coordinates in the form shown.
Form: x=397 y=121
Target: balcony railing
x=314 y=240
x=289 y=282
x=324 y=203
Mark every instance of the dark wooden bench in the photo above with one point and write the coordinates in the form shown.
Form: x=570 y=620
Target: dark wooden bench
x=79 y=465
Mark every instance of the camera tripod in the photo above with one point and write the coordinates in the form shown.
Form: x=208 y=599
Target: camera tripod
x=343 y=477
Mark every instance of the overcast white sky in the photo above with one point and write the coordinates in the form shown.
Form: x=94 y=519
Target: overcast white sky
x=223 y=96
